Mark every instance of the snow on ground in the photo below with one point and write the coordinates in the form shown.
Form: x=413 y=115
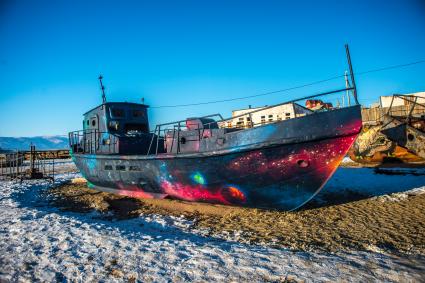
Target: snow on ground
x=41 y=243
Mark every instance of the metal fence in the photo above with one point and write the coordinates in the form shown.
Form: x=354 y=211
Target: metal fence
x=13 y=165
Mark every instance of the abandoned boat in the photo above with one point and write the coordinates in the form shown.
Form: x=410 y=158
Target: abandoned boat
x=278 y=164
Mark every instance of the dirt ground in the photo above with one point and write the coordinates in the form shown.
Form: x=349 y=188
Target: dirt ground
x=390 y=225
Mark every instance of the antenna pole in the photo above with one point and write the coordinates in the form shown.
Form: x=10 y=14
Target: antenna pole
x=347 y=85
x=103 y=90
x=347 y=51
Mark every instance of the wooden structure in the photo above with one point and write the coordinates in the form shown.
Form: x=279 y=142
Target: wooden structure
x=375 y=116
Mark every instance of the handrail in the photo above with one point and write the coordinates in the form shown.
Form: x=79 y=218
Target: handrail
x=353 y=88
x=181 y=121
x=286 y=102
x=89 y=141
x=262 y=108
x=80 y=140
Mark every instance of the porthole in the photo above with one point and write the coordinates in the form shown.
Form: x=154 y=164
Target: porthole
x=220 y=141
x=183 y=140
x=134 y=168
x=93 y=123
x=410 y=137
x=303 y=163
x=120 y=168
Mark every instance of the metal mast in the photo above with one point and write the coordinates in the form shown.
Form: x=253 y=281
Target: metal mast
x=347 y=85
x=103 y=90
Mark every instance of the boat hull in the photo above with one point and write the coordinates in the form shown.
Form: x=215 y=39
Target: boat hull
x=283 y=176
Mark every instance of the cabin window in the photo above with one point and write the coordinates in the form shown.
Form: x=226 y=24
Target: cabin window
x=88 y=123
x=93 y=123
x=241 y=119
x=134 y=168
x=263 y=119
x=120 y=167
x=117 y=112
x=108 y=167
x=270 y=118
x=138 y=113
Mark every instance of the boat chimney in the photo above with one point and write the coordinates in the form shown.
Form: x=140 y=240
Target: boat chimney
x=249 y=106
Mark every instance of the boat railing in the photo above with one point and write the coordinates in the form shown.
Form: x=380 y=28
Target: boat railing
x=92 y=141
x=347 y=90
x=349 y=98
x=176 y=127
x=350 y=89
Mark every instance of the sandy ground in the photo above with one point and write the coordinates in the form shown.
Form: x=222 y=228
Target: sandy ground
x=379 y=212
x=396 y=226
x=366 y=225
x=64 y=232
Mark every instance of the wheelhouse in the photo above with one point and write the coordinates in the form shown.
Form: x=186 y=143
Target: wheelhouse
x=120 y=118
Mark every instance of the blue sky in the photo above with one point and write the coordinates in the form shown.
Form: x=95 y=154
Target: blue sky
x=173 y=52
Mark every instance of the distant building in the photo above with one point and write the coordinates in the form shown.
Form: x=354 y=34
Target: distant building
x=278 y=113
x=385 y=101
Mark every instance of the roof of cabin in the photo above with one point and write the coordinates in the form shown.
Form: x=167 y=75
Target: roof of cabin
x=117 y=103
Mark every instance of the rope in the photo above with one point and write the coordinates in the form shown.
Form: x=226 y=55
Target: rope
x=292 y=88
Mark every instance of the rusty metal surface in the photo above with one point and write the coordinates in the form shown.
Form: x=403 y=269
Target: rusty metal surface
x=405 y=135
x=381 y=150
x=415 y=141
x=398 y=134
x=369 y=142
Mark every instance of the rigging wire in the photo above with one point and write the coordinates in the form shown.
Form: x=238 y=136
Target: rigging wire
x=292 y=88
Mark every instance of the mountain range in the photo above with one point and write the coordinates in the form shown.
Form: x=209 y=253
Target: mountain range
x=40 y=142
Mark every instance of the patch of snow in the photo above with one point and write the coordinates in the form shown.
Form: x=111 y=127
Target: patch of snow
x=401 y=196
x=38 y=242
x=416 y=191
